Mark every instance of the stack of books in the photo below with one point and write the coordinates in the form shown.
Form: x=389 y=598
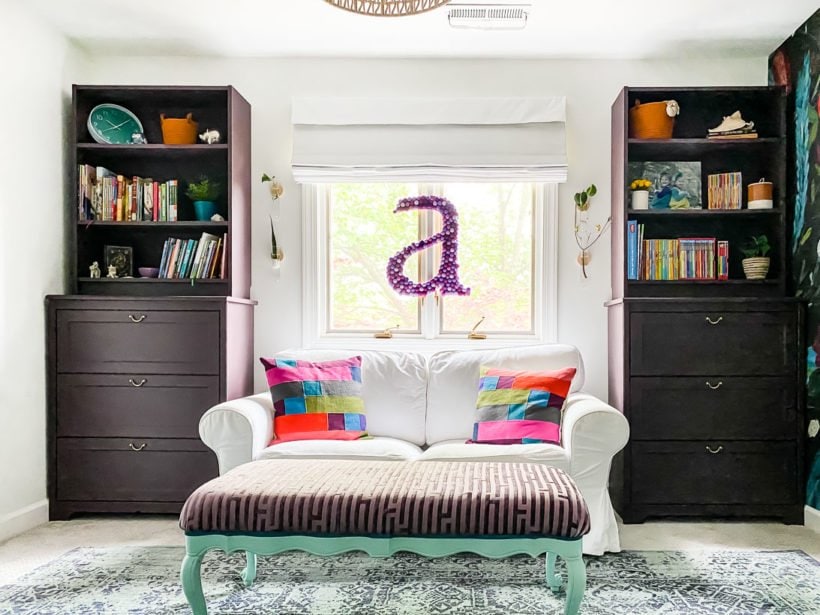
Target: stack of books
x=686 y=258
x=105 y=195
x=724 y=190
x=195 y=259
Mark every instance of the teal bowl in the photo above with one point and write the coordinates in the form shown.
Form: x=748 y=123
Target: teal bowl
x=203 y=210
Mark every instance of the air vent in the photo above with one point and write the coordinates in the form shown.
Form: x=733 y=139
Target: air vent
x=488 y=16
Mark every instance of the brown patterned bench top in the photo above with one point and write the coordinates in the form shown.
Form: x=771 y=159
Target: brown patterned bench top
x=389 y=498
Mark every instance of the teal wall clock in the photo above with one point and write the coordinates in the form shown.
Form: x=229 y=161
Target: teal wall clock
x=112 y=124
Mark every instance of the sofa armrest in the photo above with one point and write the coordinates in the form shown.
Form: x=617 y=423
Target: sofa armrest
x=238 y=430
x=592 y=432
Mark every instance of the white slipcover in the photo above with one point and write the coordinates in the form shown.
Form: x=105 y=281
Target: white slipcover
x=399 y=387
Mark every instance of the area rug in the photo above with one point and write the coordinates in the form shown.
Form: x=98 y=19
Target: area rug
x=144 y=580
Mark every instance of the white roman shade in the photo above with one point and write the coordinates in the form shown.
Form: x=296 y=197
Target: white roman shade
x=429 y=139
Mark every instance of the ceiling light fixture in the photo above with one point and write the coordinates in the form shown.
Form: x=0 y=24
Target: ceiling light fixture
x=488 y=16
x=387 y=8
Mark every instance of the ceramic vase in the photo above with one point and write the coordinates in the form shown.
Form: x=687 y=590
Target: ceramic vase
x=640 y=199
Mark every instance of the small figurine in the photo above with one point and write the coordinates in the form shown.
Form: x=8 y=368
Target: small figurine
x=138 y=138
x=217 y=218
x=210 y=136
x=94 y=270
x=112 y=271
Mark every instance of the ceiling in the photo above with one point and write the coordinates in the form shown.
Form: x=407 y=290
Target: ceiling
x=313 y=28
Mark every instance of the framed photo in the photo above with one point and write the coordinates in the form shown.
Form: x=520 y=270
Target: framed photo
x=122 y=257
x=675 y=185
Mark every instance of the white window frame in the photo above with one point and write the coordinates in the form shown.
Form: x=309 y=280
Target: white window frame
x=315 y=202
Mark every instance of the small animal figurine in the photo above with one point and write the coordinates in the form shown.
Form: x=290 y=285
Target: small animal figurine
x=210 y=136
x=138 y=138
x=94 y=270
x=112 y=271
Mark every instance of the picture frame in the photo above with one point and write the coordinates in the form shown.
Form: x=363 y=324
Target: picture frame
x=675 y=184
x=122 y=257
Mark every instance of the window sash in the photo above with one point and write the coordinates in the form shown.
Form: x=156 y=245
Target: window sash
x=316 y=282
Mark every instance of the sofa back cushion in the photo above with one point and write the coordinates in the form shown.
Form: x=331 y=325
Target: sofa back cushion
x=453 y=382
x=394 y=389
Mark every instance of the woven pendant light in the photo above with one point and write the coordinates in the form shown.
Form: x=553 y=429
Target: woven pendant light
x=387 y=8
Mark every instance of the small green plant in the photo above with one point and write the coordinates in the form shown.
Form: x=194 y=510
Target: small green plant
x=582 y=198
x=756 y=246
x=203 y=190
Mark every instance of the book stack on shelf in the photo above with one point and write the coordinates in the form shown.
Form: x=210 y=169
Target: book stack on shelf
x=684 y=258
x=194 y=259
x=108 y=196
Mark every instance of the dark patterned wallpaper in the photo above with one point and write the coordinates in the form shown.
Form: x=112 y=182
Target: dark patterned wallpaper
x=796 y=64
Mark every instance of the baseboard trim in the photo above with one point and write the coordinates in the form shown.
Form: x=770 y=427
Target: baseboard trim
x=812 y=518
x=23 y=520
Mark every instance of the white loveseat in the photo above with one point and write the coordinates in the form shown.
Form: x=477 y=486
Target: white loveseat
x=422 y=408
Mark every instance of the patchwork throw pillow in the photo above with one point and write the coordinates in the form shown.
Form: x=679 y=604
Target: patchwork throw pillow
x=518 y=407
x=316 y=401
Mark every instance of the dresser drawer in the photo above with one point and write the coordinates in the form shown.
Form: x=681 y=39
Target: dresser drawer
x=717 y=342
x=740 y=473
x=138 y=341
x=729 y=407
x=150 y=406
x=165 y=470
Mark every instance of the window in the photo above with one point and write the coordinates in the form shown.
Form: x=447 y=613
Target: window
x=506 y=256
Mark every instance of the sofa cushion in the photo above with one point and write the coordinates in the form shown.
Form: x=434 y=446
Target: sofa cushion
x=394 y=389
x=316 y=400
x=520 y=407
x=366 y=448
x=453 y=382
x=458 y=450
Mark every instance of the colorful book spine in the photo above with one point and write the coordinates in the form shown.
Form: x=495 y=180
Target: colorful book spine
x=631 y=250
x=723 y=260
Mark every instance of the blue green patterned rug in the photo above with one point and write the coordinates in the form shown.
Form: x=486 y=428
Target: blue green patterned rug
x=143 y=580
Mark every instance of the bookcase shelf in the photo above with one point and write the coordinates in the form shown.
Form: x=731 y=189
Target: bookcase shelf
x=145 y=224
x=227 y=163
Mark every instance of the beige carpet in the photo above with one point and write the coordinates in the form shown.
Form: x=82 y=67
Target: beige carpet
x=26 y=552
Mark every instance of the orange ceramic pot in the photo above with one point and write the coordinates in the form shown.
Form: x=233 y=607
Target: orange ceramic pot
x=178 y=131
x=650 y=121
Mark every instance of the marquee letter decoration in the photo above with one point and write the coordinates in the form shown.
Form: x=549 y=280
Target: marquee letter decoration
x=446 y=281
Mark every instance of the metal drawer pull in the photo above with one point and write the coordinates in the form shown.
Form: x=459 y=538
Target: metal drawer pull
x=142 y=446
x=143 y=381
x=714 y=322
x=137 y=319
x=716 y=451
x=714 y=387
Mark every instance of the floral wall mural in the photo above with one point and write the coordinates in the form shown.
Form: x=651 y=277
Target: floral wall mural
x=796 y=65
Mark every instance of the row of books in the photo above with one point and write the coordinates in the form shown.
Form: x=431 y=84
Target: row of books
x=105 y=195
x=724 y=190
x=687 y=258
x=194 y=258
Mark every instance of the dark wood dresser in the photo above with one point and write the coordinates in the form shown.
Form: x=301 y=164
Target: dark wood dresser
x=128 y=380
x=709 y=371
x=712 y=391
x=136 y=359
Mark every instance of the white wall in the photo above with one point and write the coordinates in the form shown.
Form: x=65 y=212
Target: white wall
x=590 y=88
x=35 y=72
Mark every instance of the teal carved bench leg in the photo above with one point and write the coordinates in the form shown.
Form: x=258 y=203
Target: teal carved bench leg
x=576 y=582
x=192 y=582
x=554 y=579
x=249 y=573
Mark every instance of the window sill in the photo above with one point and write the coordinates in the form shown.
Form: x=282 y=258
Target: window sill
x=424 y=346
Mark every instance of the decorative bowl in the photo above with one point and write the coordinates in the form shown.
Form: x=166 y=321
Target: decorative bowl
x=148 y=272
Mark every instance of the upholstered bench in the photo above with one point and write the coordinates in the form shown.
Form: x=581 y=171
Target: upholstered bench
x=432 y=508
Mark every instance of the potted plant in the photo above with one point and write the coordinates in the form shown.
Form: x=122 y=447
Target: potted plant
x=640 y=193
x=204 y=193
x=756 y=263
